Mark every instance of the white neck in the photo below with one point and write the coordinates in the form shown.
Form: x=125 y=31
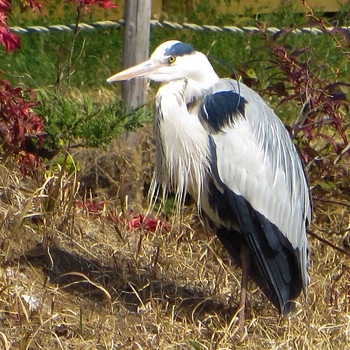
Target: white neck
x=201 y=79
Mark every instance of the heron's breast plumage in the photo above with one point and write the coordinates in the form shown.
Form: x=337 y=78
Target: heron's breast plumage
x=182 y=143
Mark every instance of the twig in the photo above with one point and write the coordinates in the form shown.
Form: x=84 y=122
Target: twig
x=331 y=202
x=323 y=240
x=324 y=27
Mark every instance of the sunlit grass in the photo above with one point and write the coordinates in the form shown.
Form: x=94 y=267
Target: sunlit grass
x=78 y=279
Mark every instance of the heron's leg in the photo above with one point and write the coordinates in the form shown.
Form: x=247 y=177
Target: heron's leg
x=245 y=261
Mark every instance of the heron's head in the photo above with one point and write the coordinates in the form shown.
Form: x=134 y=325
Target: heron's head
x=170 y=61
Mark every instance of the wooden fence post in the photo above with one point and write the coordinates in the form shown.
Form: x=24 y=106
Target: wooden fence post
x=137 y=14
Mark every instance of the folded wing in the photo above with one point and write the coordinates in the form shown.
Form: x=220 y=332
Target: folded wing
x=258 y=193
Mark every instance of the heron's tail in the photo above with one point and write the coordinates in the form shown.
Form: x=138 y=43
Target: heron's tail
x=274 y=263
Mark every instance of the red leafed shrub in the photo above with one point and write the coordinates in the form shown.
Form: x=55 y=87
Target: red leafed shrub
x=148 y=224
x=92 y=208
x=8 y=39
x=131 y=221
x=20 y=128
x=325 y=104
x=11 y=41
x=33 y=4
x=86 y=4
x=301 y=80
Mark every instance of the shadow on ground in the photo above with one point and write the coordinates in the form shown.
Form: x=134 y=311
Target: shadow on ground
x=133 y=287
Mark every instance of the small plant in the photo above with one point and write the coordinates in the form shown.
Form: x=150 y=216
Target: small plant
x=85 y=123
x=79 y=6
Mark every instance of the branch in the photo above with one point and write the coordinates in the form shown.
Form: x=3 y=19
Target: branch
x=333 y=246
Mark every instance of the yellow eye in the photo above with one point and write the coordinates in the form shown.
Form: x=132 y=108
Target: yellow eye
x=171 y=59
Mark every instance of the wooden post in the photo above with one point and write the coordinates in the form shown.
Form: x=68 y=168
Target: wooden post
x=137 y=14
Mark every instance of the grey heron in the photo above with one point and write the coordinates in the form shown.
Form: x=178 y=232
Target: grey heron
x=219 y=141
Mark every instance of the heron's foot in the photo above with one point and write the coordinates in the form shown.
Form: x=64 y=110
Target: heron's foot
x=239 y=331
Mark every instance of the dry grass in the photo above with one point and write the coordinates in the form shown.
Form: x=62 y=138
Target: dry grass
x=76 y=280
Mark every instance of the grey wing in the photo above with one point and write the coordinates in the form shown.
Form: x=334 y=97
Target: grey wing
x=255 y=159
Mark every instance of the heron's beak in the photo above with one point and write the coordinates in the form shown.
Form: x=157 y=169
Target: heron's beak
x=141 y=70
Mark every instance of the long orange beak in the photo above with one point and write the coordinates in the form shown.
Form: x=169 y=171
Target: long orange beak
x=141 y=70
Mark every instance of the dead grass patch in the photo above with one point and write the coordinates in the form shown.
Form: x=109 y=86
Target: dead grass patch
x=72 y=279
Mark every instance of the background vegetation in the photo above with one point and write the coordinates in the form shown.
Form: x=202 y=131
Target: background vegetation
x=82 y=267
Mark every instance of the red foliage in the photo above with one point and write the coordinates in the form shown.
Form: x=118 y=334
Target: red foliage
x=11 y=41
x=322 y=99
x=8 y=39
x=91 y=207
x=33 y=4
x=16 y=117
x=130 y=221
x=5 y=6
x=86 y=4
x=19 y=125
x=146 y=223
